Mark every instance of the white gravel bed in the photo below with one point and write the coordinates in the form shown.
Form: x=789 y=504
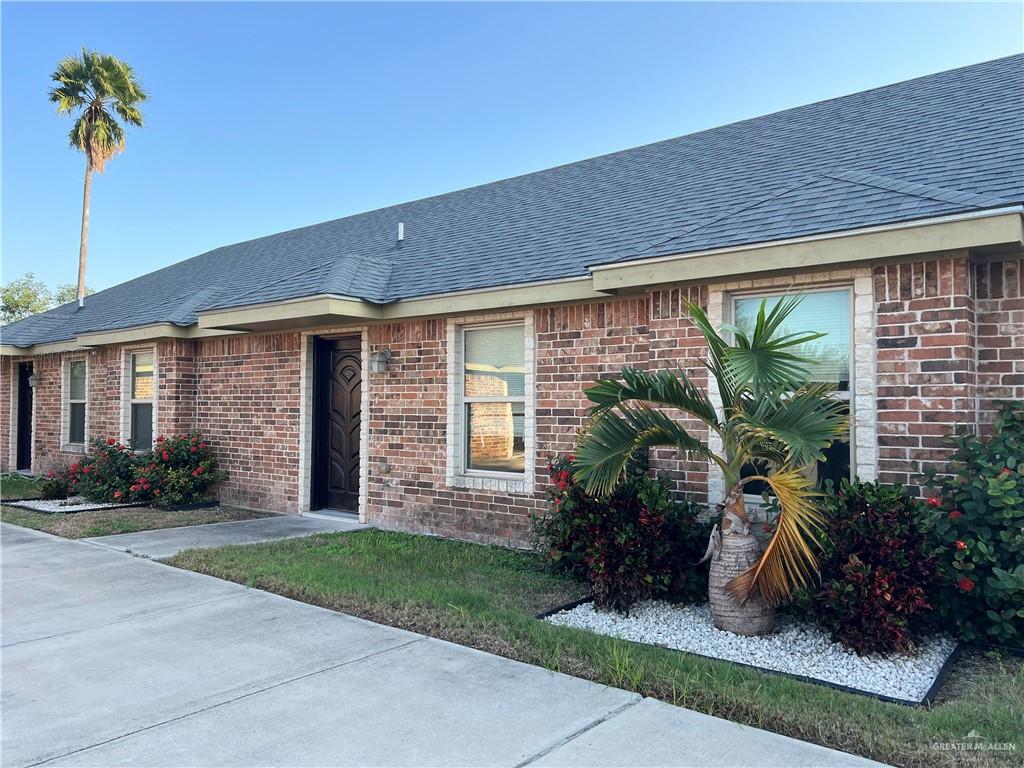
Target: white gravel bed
x=70 y=504
x=795 y=648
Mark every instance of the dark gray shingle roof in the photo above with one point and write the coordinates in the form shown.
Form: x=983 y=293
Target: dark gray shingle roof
x=943 y=144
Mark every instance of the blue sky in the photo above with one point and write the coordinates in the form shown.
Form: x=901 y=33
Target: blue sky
x=266 y=116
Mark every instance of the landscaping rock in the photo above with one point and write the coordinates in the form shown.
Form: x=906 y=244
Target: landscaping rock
x=795 y=648
x=70 y=504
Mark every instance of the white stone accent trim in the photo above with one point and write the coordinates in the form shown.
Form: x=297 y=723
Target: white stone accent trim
x=863 y=398
x=66 y=445
x=306 y=408
x=126 y=391
x=455 y=475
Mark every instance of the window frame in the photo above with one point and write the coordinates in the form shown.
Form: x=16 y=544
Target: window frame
x=848 y=396
x=466 y=400
x=457 y=476
x=127 y=399
x=67 y=401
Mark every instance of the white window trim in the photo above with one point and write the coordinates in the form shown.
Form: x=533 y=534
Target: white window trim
x=126 y=390
x=456 y=473
x=863 y=381
x=65 y=405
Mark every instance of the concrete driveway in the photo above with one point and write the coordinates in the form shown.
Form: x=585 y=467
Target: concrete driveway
x=110 y=659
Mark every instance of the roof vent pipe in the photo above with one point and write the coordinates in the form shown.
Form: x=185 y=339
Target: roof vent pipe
x=401 y=231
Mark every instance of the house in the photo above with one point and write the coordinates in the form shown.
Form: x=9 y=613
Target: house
x=419 y=363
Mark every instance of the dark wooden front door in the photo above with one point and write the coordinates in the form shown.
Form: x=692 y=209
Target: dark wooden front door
x=337 y=392
x=24 y=458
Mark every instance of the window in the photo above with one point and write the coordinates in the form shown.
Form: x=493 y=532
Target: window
x=494 y=399
x=140 y=406
x=75 y=399
x=828 y=312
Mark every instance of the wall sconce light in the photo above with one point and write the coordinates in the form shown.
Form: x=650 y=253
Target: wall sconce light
x=33 y=380
x=379 y=360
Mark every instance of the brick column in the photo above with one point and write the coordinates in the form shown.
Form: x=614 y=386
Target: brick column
x=176 y=386
x=1000 y=308
x=927 y=367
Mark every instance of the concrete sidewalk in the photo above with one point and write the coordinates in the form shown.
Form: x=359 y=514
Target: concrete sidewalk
x=165 y=542
x=116 y=660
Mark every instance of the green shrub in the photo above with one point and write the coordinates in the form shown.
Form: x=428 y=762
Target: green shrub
x=878 y=569
x=177 y=471
x=978 y=517
x=636 y=544
x=54 y=487
x=104 y=475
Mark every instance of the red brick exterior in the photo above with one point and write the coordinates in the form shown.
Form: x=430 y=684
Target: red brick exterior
x=927 y=369
x=249 y=395
x=1000 y=335
x=950 y=337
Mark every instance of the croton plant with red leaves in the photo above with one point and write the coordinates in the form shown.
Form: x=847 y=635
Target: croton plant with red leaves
x=879 y=570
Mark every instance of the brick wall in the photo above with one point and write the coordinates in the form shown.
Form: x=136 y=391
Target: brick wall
x=408 y=445
x=950 y=337
x=927 y=373
x=177 y=386
x=677 y=343
x=248 y=408
x=104 y=406
x=1000 y=335
x=575 y=345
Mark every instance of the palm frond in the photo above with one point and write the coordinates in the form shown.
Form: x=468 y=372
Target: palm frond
x=800 y=425
x=100 y=89
x=789 y=560
x=718 y=353
x=610 y=438
x=670 y=388
x=764 y=359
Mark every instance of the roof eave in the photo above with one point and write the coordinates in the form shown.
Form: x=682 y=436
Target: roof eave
x=978 y=229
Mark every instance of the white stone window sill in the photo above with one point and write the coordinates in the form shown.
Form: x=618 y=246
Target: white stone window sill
x=489 y=482
x=72 y=448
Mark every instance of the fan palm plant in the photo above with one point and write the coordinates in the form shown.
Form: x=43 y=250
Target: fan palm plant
x=772 y=415
x=99 y=90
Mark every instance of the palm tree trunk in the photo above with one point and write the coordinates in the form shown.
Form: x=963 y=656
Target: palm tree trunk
x=84 y=241
x=739 y=550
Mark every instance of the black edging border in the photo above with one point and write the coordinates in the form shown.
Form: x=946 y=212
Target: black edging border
x=186 y=507
x=927 y=700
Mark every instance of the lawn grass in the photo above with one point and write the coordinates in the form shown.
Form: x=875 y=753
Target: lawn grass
x=107 y=522
x=17 y=486
x=487 y=597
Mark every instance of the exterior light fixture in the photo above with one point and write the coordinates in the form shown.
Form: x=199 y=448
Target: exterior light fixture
x=33 y=380
x=379 y=360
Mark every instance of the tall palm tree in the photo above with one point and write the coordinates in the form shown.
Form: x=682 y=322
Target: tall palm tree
x=771 y=416
x=98 y=89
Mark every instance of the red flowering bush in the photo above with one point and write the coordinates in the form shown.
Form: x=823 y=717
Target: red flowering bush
x=636 y=544
x=878 y=569
x=105 y=474
x=978 y=517
x=178 y=470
